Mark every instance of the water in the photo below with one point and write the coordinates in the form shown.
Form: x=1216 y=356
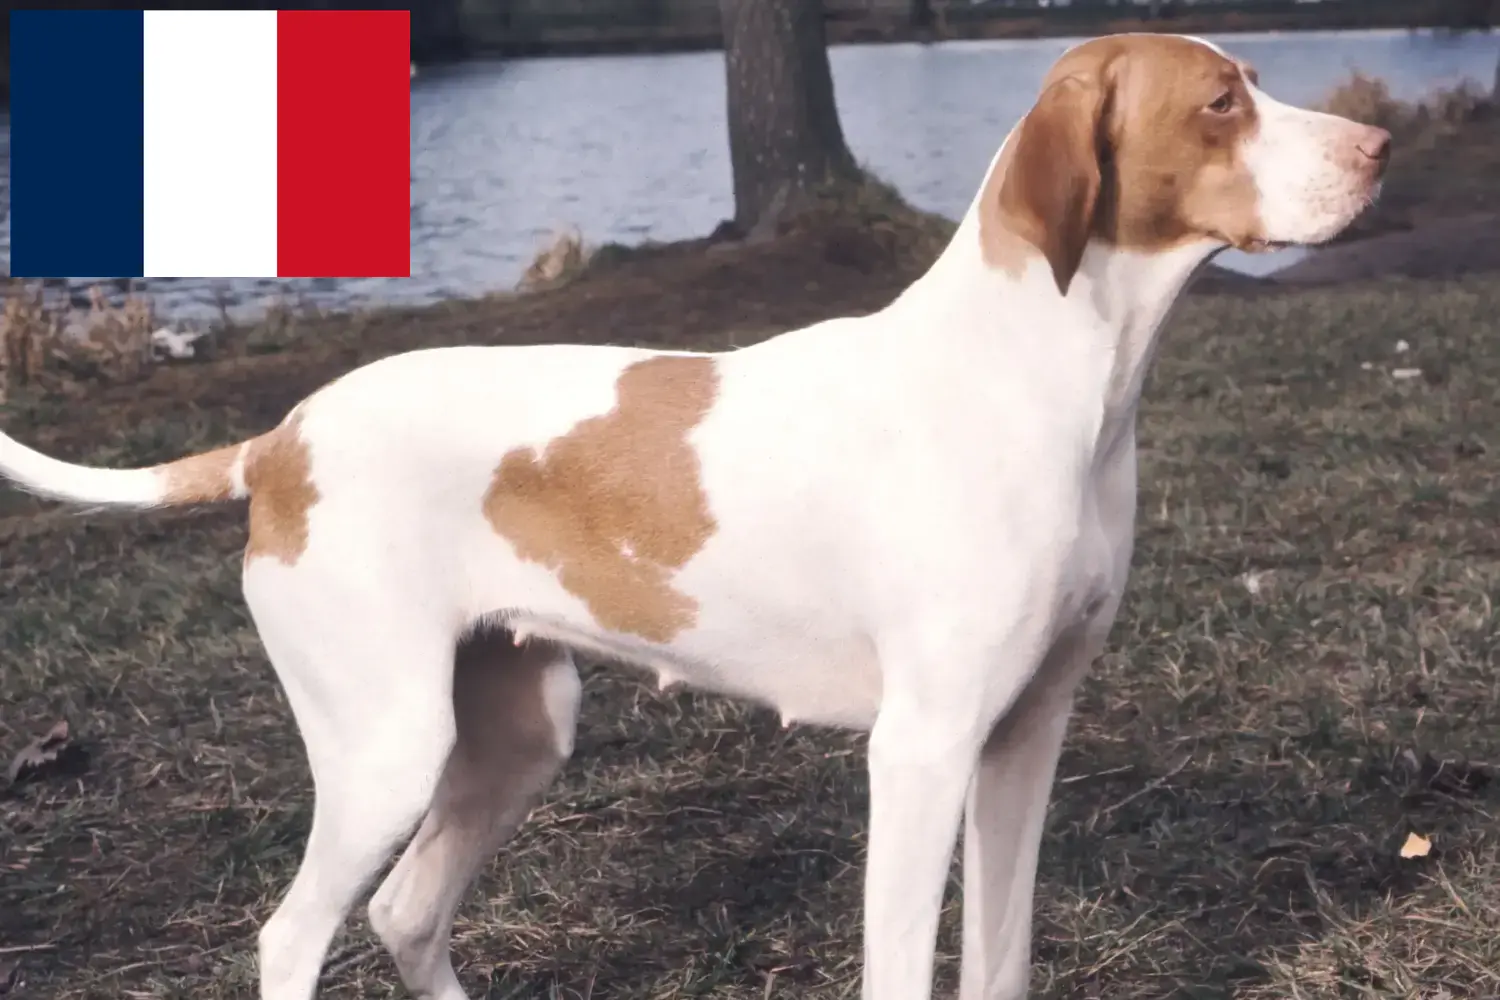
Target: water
x=633 y=148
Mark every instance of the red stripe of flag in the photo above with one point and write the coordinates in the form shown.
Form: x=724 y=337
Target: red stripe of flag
x=343 y=134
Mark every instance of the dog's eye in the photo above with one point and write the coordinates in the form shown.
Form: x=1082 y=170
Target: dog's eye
x=1223 y=104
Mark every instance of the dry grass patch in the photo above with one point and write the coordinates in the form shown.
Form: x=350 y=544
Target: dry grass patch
x=49 y=343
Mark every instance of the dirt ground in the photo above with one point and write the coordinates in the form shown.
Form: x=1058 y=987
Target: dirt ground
x=1304 y=674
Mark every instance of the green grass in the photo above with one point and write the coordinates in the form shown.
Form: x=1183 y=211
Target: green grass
x=1242 y=770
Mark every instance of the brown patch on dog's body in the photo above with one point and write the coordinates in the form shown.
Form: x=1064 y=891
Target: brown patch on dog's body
x=278 y=474
x=201 y=478
x=616 y=506
x=1121 y=146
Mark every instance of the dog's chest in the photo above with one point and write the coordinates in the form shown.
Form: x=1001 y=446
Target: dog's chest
x=1099 y=563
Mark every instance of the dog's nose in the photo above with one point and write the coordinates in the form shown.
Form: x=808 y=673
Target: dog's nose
x=1375 y=145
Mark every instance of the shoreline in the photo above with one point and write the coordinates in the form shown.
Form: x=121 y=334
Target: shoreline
x=868 y=272
x=1312 y=265
x=1435 y=219
x=1427 y=248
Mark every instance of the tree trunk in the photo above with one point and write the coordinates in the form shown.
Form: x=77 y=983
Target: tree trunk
x=785 y=141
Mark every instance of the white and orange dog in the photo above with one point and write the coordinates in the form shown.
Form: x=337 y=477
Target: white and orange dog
x=917 y=522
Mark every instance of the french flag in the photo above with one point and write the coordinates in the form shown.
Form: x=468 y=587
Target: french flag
x=223 y=143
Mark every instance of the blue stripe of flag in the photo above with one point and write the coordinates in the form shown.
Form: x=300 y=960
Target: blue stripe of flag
x=77 y=127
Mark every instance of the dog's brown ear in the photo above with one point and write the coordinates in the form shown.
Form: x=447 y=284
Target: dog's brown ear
x=1051 y=184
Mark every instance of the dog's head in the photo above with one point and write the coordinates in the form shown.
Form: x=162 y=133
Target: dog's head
x=1150 y=142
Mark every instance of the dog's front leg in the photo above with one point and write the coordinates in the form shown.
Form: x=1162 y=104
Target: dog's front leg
x=935 y=715
x=1004 y=819
x=918 y=779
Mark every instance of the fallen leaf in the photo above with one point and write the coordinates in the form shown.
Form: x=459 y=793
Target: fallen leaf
x=1416 y=846
x=55 y=752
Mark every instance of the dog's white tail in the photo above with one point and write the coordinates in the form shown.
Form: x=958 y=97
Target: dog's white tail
x=203 y=478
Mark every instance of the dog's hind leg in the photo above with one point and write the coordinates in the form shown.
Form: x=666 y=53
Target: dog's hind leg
x=371 y=689
x=516 y=708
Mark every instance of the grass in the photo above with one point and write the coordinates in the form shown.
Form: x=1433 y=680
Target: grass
x=1311 y=617
x=1302 y=676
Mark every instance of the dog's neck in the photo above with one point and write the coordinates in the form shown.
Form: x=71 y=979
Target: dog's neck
x=1127 y=297
x=1106 y=326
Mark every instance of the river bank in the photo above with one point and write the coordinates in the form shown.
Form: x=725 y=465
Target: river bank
x=1429 y=222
